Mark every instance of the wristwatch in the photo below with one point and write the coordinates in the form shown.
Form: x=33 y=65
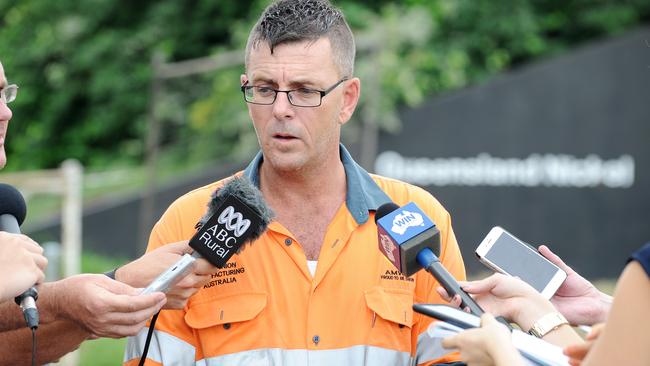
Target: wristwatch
x=547 y=323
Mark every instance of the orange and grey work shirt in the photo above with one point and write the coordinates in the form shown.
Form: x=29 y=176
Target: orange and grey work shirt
x=265 y=307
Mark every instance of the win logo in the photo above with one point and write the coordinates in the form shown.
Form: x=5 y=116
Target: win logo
x=406 y=219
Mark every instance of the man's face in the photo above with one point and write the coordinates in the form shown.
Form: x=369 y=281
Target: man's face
x=295 y=138
x=5 y=116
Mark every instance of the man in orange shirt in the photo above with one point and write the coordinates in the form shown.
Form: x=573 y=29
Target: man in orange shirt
x=314 y=289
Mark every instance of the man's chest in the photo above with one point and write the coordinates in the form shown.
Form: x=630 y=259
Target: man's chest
x=309 y=229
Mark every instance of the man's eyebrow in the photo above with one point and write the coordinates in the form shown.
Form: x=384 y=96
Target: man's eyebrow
x=302 y=82
x=262 y=79
x=299 y=82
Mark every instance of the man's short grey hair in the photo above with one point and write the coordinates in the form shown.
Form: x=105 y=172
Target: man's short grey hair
x=287 y=21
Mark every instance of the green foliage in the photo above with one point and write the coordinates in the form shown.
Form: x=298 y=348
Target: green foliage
x=102 y=352
x=83 y=70
x=84 y=66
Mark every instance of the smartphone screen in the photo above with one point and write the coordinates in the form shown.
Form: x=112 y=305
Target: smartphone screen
x=517 y=259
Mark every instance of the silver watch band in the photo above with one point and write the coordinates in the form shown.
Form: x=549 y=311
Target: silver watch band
x=547 y=323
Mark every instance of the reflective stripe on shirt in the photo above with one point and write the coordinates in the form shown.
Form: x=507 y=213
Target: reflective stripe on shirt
x=356 y=355
x=175 y=351
x=429 y=348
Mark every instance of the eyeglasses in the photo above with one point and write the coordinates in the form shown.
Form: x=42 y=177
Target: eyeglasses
x=8 y=93
x=303 y=97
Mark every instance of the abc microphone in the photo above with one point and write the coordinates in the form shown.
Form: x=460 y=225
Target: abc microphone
x=236 y=215
x=12 y=214
x=410 y=240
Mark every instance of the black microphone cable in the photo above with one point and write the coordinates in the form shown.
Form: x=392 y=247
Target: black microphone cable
x=152 y=325
x=31 y=317
x=33 y=346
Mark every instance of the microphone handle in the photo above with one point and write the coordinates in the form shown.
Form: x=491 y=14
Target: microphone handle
x=26 y=300
x=9 y=224
x=449 y=283
x=172 y=275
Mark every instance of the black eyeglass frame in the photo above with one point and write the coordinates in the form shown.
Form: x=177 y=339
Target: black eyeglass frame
x=322 y=93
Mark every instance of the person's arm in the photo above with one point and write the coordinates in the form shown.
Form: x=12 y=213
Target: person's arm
x=75 y=309
x=625 y=338
x=101 y=306
x=21 y=264
x=52 y=304
x=578 y=299
x=54 y=340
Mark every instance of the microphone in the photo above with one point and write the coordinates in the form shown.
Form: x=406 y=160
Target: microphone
x=411 y=241
x=236 y=215
x=12 y=214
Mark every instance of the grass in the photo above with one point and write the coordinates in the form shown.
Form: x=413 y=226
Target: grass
x=102 y=352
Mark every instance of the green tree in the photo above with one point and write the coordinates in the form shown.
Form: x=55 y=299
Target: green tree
x=84 y=73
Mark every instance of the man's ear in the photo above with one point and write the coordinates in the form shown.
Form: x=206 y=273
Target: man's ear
x=351 y=93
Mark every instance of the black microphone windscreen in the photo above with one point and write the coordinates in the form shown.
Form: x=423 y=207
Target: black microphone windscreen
x=242 y=188
x=237 y=215
x=385 y=209
x=12 y=203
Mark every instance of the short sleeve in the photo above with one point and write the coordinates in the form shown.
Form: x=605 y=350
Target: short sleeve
x=643 y=257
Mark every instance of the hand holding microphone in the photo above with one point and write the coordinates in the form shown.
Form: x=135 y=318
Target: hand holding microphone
x=141 y=272
x=22 y=264
x=12 y=213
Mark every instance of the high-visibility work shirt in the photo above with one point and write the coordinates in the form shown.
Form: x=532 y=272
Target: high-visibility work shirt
x=265 y=308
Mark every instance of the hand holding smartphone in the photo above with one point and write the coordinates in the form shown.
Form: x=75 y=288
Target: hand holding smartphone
x=505 y=253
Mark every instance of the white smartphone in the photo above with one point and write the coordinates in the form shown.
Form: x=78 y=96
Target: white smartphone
x=503 y=252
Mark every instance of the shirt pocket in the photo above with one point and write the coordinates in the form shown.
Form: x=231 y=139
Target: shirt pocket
x=224 y=310
x=392 y=317
x=227 y=324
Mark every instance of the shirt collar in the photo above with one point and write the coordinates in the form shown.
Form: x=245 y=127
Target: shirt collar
x=362 y=193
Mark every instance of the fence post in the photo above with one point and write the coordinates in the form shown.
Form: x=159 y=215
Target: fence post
x=71 y=219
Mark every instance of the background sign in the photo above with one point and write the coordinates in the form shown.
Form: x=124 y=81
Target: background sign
x=557 y=153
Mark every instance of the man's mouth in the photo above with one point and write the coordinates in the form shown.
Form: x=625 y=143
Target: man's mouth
x=284 y=136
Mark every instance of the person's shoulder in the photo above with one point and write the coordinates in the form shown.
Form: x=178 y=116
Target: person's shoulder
x=402 y=193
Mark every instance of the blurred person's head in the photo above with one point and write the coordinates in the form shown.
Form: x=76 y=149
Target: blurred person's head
x=5 y=116
x=306 y=47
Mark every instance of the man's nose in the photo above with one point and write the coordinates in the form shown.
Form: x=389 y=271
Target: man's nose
x=282 y=108
x=5 y=112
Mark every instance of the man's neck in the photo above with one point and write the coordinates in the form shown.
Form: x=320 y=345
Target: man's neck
x=324 y=183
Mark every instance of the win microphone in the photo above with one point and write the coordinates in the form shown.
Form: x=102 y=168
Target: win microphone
x=410 y=240
x=237 y=215
x=12 y=214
